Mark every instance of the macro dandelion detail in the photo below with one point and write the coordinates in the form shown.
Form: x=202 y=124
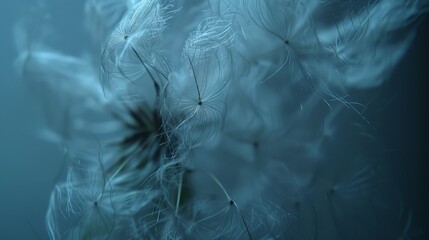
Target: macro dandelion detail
x=221 y=119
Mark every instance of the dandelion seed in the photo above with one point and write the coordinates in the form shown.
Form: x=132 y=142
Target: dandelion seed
x=131 y=49
x=102 y=16
x=291 y=25
x=87 y=211
x=369 y=43
x=225 y=218
x=196 y=95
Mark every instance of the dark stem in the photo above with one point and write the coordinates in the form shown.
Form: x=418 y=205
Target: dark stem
x=155 y=84
x=196 y=83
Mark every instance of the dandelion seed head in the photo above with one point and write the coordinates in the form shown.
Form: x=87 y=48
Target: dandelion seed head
x=221 y=119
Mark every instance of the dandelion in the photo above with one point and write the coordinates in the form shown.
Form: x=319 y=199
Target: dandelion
x=222 y=119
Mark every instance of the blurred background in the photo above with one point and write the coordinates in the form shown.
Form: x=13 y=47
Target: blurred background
x=29 y=166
